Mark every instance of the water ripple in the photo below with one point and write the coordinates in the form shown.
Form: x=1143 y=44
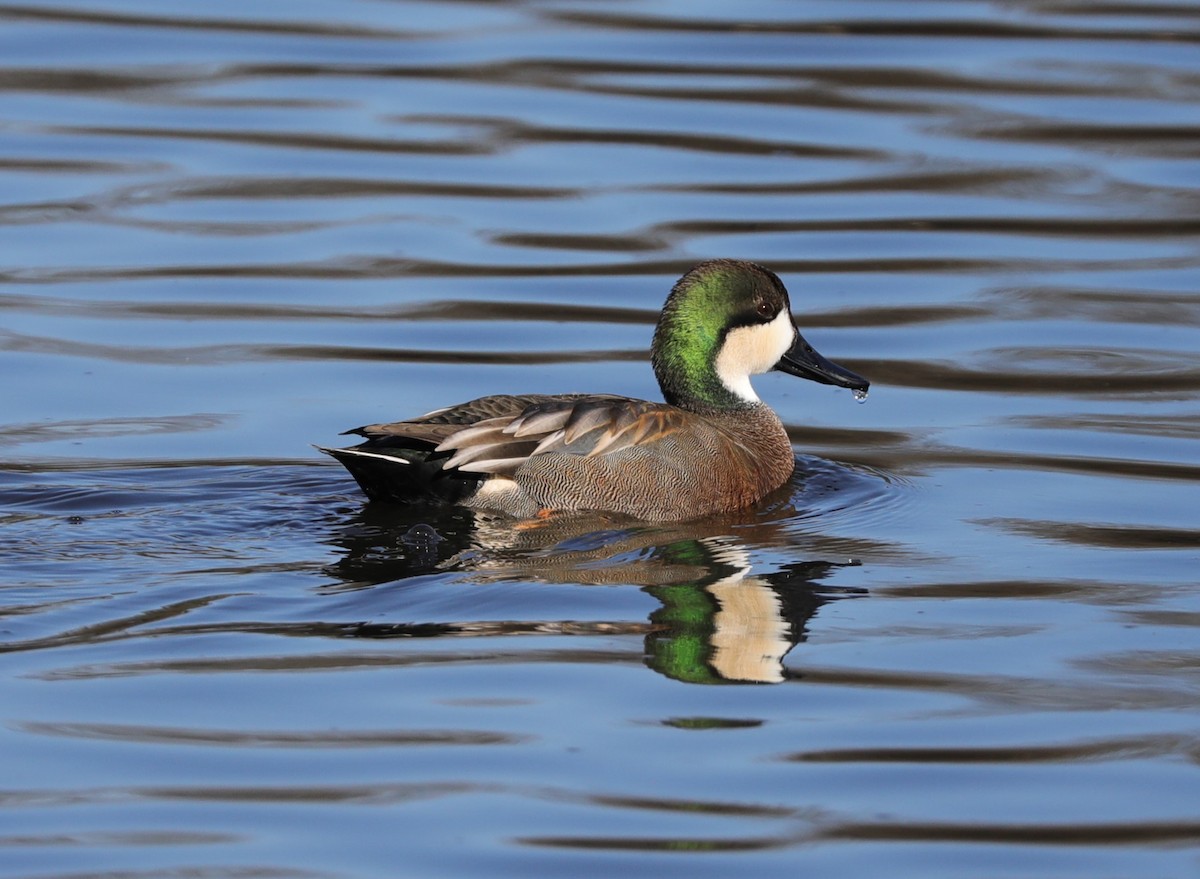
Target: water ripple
x=230 y=232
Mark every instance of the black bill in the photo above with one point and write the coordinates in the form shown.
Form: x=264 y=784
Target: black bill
x=803 y=359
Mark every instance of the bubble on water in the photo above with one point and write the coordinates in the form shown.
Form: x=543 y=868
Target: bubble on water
x=860 y=395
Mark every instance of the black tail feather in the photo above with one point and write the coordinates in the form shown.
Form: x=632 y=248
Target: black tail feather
x=405 y=476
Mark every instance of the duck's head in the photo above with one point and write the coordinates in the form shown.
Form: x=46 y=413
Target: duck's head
x=725 y=321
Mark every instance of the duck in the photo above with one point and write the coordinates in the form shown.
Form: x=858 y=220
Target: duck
x=711 y=447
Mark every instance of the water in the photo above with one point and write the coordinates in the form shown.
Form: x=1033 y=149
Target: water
x=963 y=641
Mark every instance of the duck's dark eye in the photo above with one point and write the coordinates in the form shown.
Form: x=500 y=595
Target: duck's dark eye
x=765 y=309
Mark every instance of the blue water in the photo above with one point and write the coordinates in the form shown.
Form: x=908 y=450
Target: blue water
x=963 y=641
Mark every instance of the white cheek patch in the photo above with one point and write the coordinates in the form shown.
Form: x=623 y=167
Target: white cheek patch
x=753 y=350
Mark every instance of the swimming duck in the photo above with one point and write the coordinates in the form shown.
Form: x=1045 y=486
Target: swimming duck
x=712 y=447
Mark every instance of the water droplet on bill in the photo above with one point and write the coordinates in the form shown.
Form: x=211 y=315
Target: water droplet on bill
x=860 y=396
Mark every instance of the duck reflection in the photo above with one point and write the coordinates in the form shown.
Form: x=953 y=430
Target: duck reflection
x=717 y=621
x=736 y=628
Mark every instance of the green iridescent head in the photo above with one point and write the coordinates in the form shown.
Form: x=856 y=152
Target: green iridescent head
x=724 y=321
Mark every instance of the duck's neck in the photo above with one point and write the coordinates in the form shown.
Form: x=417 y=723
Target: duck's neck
x=686 y=364
x=702 y=392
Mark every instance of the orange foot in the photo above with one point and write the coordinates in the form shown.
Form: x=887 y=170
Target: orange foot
x=541 y=518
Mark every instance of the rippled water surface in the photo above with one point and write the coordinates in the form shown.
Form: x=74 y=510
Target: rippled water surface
x=963 y=641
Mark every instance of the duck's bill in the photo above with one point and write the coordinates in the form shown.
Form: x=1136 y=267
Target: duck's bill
x=803 y=359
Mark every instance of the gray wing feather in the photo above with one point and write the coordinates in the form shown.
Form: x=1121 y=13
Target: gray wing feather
x=498 y=434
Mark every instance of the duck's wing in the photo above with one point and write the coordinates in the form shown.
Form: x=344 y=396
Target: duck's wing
x=498 y=434
x=580 y=425
x=401 y=461
x=447 y=453
x=432 y=428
